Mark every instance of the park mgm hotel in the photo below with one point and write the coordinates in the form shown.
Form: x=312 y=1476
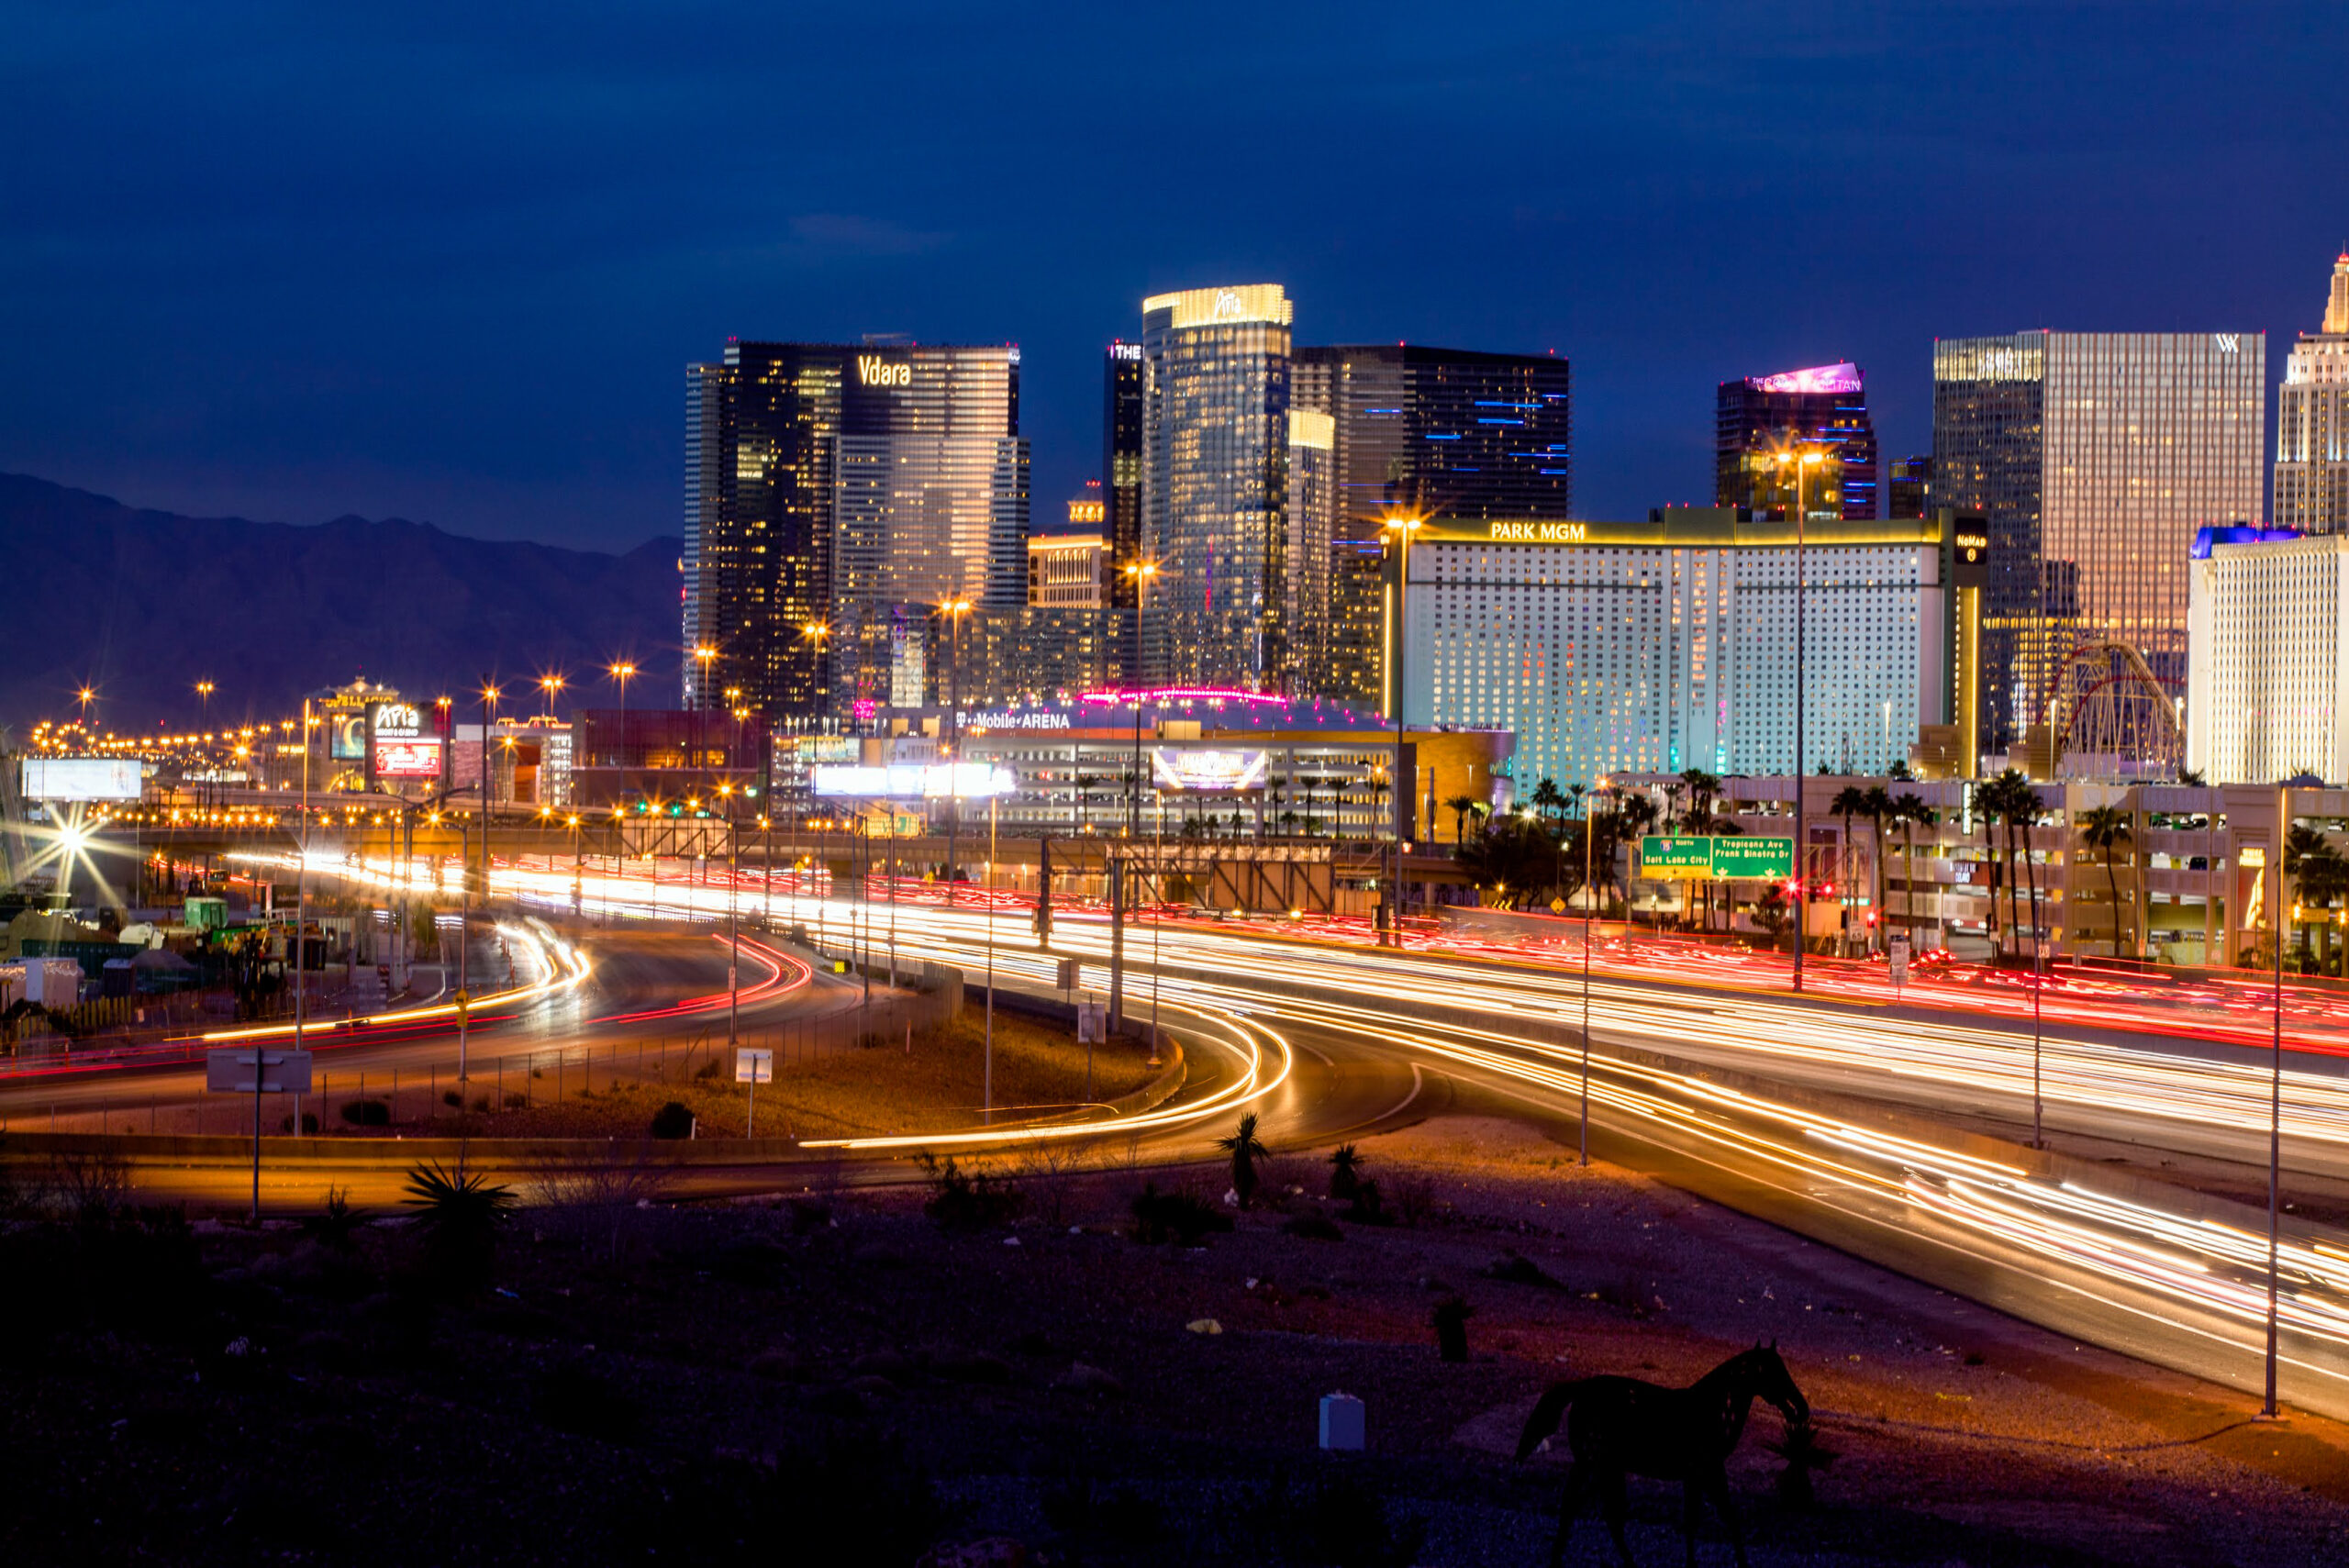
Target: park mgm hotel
x=1615 y=648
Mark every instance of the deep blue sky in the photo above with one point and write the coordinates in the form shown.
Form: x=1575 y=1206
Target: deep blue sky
x=448 y=262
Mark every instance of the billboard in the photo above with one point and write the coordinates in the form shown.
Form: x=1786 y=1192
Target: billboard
x=407 y=758
x=395 y=721
x=912 y=781
x=347 y=734
x=1208 y=772
x=81 y=778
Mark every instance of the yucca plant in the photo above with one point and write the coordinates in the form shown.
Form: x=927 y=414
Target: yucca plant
x=1801 y=1451
x=1345 y=1173
x=1245 y=1151
x=459 y=1211
x=339 y=1222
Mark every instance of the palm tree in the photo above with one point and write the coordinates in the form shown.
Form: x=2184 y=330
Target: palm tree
x=1245 y=1151
x=2018 y=802
x=1548 y=798
x=1879 y=802
x=2308 y=859
x=1576 y=790
x=2103 y=829
x=2324 y=877
x=1909 y=812
x=1460 y=806
x=1850 y=801
x=1633 y=816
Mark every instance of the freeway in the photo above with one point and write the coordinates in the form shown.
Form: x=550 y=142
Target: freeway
x=1816 y=1131
x=561 y=1002
x=1365 y=1038
x=2199 y=1092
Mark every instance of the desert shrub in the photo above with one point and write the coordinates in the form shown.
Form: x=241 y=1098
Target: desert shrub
x=367 y=1113
x=970 y=1200
x=672 y=1121
x=1174 y=1217
x=515 y=1099
x=1314 y=1227
x=1410 y=1197
x=89 y=1188
x=309 y=1123
x=1369 y=1206
x=453 y=1098
x=707 y=1072
x=460 y=1212
x=338 y=1222
x=480 y=1104
x=1449 y=1320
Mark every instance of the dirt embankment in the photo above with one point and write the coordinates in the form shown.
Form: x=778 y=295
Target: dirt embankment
x=833 y=1376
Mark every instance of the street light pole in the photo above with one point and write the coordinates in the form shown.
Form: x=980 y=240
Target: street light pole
x=1589 y=908
x=2276 y=1093
x=989 y=1104
x=1142 y=572
x=955 y=609
x=1800 y=460
x=1402 y=527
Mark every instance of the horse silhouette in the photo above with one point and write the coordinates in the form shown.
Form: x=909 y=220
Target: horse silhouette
x=1621 y=1427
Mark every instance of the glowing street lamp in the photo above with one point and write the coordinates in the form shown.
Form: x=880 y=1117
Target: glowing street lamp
x=1142 y=573
x=1801 y=462
x=1402 y=526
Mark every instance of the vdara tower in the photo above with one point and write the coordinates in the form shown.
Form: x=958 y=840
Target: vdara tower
x=2312 y=422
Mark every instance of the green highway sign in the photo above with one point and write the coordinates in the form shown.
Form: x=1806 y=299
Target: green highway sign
x=1731 y=859
x=1676 y=860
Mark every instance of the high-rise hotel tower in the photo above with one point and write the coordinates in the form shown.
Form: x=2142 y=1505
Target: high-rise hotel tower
x=837 y=496
x=1214 y=487
x=2094 y=456
x=1459 y=432
x=1758 y=415
x=2312 y=422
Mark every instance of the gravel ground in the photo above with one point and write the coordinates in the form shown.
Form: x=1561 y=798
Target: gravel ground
x=832 y=1377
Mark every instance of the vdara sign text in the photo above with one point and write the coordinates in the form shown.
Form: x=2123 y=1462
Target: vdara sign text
x=874 y=371
x=1541 y=533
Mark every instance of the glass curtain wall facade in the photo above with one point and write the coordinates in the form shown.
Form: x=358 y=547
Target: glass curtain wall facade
x=1758 y=415
x=1459 y=431
x=2312 y=422
x=930 y=508
x=1909 y=491
x=1121 y=403
x=705 y=535
x=2094 y=457
x=1215 y=486
x=851 y=483
x=1312 y=526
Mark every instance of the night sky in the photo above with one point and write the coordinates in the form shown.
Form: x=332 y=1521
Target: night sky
x=449 y=263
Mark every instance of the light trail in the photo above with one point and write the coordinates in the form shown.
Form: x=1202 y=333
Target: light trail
x=1963 y=1067
x=564 y=966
